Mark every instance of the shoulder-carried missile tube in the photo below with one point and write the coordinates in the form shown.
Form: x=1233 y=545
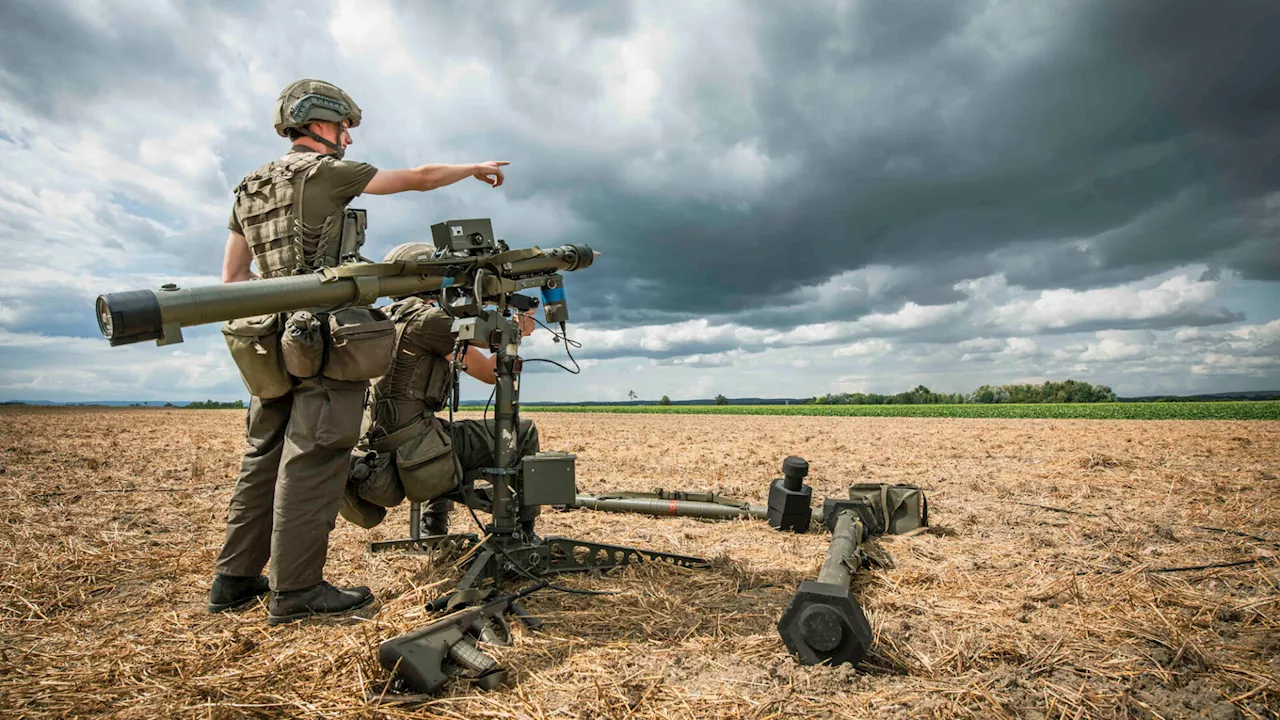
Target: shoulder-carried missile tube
x=160 y=315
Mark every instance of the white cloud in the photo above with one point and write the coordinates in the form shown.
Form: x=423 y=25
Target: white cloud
x=874 y=347
x=1113 y=349
x=1179 y=296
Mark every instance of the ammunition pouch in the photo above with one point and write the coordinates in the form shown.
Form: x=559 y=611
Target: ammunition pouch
x=361 y=343
x=254 y=343
x=302 y=345
x=890 y=509
x=424 y=458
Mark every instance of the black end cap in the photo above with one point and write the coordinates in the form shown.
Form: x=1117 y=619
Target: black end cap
x=823 y=623
x=795 y=469
x=129 y=317
x=789 y=509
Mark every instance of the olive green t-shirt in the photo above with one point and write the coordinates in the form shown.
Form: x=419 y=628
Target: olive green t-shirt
x=334 y=184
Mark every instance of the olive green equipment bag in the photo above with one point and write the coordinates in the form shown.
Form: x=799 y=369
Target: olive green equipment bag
x=375 y=478
x=302 y=345
x=362 y=341
x=890 y=509
x=254 y=343
x=424 y=458
x=358 y=511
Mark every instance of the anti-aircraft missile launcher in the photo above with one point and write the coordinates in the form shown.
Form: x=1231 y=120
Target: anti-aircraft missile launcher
x=471 y=262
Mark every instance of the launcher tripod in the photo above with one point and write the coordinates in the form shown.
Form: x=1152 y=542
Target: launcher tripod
x=515 y=488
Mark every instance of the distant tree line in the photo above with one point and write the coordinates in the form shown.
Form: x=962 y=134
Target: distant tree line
x=214 y=405
x=1070 y=391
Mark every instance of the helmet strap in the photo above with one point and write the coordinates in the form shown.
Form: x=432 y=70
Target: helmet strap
x=338 y=150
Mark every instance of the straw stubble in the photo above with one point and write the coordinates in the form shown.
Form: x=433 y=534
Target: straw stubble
x=113 y=518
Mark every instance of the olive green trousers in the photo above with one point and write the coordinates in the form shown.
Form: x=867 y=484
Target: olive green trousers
x=291 y=480
x=473 y=441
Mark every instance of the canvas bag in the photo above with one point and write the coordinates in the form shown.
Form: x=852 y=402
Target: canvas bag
x=890 y=509
x=424 y=458
x=362 y=341
x=302 y=344
x=254 y=343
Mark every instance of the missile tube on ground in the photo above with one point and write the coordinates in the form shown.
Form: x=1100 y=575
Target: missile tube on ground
x=657 y=506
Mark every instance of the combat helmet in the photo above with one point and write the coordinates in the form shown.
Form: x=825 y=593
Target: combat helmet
x=306 y=101
x=410 y=251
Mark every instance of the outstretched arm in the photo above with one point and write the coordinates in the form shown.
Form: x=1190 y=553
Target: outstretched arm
x=430 y=177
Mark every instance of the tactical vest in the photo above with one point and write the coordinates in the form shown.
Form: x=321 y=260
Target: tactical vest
x=269 y=204
x=419 y=380
x=412 y=454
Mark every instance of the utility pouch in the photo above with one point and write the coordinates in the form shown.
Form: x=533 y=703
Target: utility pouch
x=358 y=511
x=375 y=480
x=439 y=382
x=362 y=341
x=254 y=343
x=302 y=345
x=890 y=509
x=426 y=463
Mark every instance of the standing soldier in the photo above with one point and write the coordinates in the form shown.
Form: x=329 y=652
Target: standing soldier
x=291 y=217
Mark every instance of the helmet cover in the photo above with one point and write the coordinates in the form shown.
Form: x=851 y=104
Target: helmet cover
x=308 y=101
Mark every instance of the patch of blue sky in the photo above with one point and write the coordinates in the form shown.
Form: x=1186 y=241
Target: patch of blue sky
x=140 y=209
x=1258 y=300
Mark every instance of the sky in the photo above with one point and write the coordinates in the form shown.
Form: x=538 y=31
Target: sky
x=789 y=199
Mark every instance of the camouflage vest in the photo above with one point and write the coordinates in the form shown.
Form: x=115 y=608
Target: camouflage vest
x=419 y=380
x=269 y=204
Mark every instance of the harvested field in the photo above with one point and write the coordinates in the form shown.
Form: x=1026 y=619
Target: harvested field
x=112 y=520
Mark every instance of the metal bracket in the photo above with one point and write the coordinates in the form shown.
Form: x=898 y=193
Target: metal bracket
x=367 y=289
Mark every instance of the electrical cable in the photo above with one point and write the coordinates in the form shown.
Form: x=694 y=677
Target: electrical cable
x=559 y=337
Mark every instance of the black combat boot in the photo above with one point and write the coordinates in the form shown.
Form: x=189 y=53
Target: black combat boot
x=527 y=517
x=322 y=599
x=233 y=591
x=435 y=517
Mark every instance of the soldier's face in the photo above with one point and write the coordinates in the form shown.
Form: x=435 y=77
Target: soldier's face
x=340 y=135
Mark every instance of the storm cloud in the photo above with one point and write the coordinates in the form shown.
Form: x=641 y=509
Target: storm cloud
x=844 y=194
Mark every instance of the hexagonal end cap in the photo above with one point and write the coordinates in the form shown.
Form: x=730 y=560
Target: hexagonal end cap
x=824 y=623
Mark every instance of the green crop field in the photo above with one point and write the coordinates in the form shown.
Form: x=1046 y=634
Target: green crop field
x=1252 y=410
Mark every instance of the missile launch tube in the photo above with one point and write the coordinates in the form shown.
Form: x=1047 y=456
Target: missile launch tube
x=683 y=508
x=138 y=315
x=846 y=538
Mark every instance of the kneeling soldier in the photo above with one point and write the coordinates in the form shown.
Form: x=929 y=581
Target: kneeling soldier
x=409 y=452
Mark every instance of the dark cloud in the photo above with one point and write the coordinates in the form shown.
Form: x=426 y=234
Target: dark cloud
x=762 y=165
x=919 y=145
x=59 y=57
